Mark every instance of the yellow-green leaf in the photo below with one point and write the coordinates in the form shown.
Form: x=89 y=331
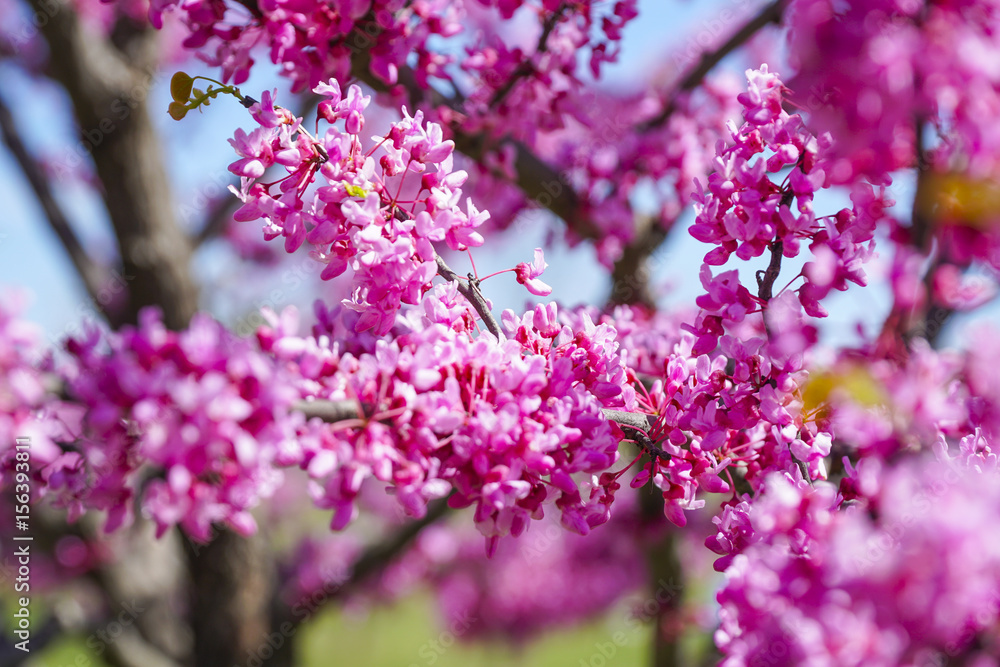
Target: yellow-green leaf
x=855 y=383
x=177 y=110
x=180 y=87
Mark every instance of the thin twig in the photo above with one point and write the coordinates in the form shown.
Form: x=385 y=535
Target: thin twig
x=222 y=212
x=470 y=290
x=526 y=67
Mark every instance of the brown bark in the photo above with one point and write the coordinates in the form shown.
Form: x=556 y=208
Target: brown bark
x=233 y=584
x=108 y=83
x=666 y=584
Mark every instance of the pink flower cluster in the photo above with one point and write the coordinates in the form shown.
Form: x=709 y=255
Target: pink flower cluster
x=520 y=76
x=882 y=407
x=746 y=213
x=905 y=576
x=313 y=41
x=726 y=396
x=379 y=216
x=869 y=71
x=186 y=425
x=549 y=578
x=609 y=157
x=881 y=75
x=648 y=339
x=731 y=411
x=501 y=425
x=714 y=415
x=527 y=91
x=23 y=391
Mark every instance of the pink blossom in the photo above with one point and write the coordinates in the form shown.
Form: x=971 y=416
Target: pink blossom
x=527 y=274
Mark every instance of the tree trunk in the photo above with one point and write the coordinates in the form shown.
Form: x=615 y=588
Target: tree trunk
x=666 y=584
x=233 y=615
x=108 y=83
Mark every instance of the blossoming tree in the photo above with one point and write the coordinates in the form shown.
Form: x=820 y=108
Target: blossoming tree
x=853 y=490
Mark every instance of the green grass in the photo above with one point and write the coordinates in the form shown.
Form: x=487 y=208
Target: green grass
x=409 y=634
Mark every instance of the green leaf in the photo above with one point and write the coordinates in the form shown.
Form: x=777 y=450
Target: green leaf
x=180 y=87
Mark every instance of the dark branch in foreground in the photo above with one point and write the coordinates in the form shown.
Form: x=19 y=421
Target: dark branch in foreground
x=633 y=420
x=470 y=290
x=329 y=411
x=766 y=278
x=636 y=426
x=335 y=411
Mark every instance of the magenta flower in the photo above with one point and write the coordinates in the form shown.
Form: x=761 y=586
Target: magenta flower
x=527 y=274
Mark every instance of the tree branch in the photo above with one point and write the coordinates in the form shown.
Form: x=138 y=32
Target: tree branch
x=331 y=412
x=630 y=275
x=526 y=67
x=636 y=426
x=470 y=290
x=370 y=563
x=91 y=274
x=376 y=557
x=902 y=325
x=766 y=278
x=108 y=86
x=217 y=218
x=770 y=13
